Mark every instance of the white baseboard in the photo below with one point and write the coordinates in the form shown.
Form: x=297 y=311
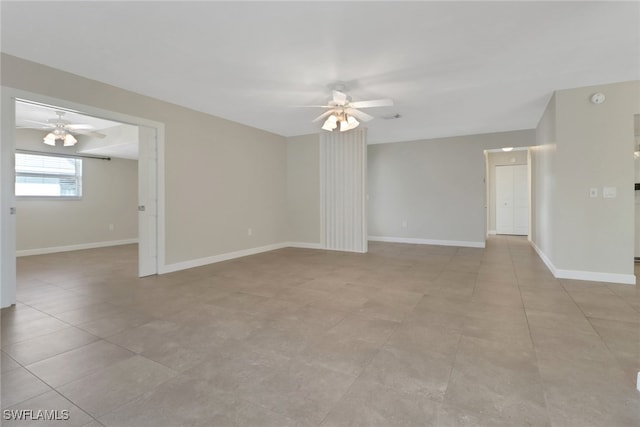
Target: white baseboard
x=348 y=251
x=491 y=232
x=304 y=245
x=592 y=276
x=170 y=268
x=79 y=247
x=544 y=258
x=415 y=241
x=238 y=254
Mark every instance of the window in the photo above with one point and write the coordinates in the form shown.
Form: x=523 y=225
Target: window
x=48 y=176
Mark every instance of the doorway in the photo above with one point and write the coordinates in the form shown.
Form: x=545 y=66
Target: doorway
x=508 y=195
x=150 y=206
x=512 y=200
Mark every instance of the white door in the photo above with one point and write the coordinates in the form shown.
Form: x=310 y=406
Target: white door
x=637 y=213
x=512 y=200
x=7 y=203
x=147 y=202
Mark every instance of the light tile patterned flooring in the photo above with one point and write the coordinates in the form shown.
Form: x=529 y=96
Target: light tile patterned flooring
x=402 y=336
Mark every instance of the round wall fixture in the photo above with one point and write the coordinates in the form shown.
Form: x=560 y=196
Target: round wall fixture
x=598 y=98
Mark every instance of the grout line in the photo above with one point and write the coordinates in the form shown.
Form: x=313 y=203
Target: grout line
x=54 y=389
x=535 y=349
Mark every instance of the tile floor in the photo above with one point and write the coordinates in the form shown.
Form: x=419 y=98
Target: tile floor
x=402 y=336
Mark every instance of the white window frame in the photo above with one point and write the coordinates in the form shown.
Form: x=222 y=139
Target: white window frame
x=77 y=177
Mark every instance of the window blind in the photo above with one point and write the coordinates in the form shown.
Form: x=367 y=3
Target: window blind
x=48 y=176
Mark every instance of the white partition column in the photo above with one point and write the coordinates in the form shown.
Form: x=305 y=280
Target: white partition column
x=343 y=181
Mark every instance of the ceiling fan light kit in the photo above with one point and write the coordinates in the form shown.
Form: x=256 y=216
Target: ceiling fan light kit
x=342 y=114
x=62 y=134
x=346 y=122
x=50 y=139
x=69 y=140
x=344 y=125
x=331 y=123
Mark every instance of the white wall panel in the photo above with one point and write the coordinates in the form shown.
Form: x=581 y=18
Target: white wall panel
x=343 y=169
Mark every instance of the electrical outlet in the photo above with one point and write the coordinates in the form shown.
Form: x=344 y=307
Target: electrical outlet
x=609 y=192
x=249 y=232
x=404 y=224
x=111 y=227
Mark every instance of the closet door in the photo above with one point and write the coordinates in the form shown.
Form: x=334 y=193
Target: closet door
x=512 y=200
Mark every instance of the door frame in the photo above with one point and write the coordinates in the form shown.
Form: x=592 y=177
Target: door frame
x=488 y=183
x=7 y=177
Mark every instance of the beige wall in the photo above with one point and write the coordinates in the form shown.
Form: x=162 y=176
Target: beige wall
x=500 y=159
x=436 y=186
x=109 y=197
x=303 y=188
x=221 y=177
x=581 y=146
x=543 y=177
x=595 y=149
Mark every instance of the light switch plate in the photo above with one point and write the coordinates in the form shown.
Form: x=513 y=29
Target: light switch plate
x=609 y=192
x=593 y=192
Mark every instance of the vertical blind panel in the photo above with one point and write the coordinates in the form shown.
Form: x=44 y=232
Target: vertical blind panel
x=343 y=183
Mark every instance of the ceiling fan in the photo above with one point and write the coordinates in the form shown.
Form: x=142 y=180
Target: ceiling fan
x=64 y=130
x=343 y=113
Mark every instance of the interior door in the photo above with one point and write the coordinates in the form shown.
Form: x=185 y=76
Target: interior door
x=147 y=202
x=7 y=203
x=637 y=229
x=512 y=200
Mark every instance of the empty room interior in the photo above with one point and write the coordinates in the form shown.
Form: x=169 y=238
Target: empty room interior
x=320 y=213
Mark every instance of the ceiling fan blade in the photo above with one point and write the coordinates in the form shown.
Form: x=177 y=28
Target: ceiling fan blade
x=372 y=103
x=48 y=125
x=339 y=98
x=30 y=127
x=79 y=127
x=312 y=106
x=360 y=115
x=323 y=115
x=89 y=133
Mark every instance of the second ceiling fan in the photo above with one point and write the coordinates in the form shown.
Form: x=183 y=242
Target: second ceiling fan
x=64 y=130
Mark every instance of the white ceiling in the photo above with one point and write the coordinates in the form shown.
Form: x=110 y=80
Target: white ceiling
x=452 y=68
